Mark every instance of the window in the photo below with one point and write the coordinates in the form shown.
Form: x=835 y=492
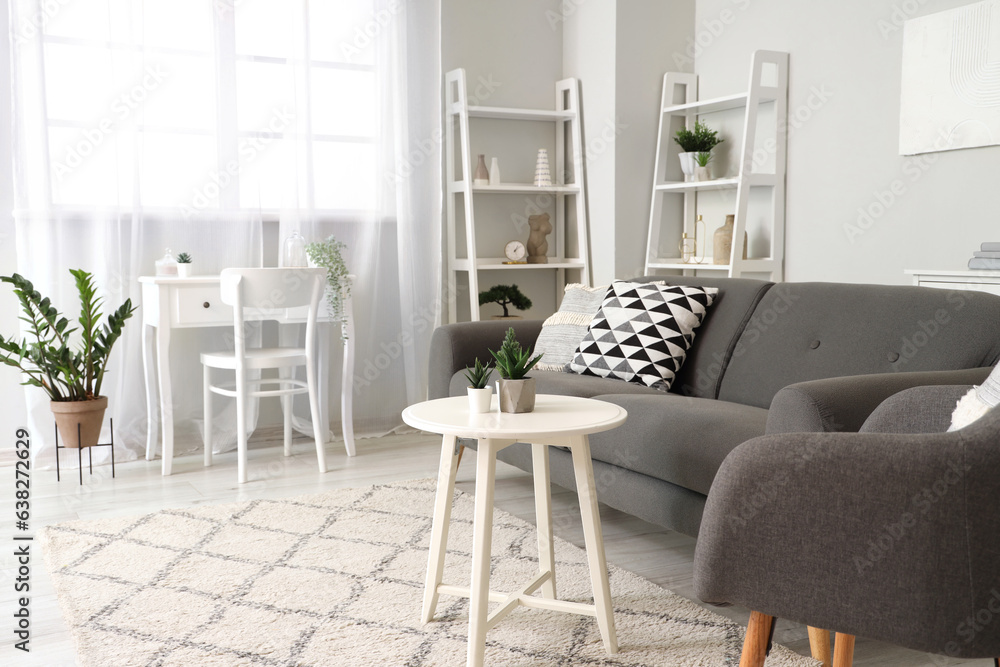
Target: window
x=212 y=104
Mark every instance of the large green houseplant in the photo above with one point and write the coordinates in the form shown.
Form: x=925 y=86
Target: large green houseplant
x=69 y=371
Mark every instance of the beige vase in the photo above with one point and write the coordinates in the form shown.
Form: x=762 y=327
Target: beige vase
x=88 y=414
x=723 y=242
x=516 y=395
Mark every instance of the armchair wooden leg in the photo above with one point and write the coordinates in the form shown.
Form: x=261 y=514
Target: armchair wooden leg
x=757 y=644
x=843 y=650
x=819 y=645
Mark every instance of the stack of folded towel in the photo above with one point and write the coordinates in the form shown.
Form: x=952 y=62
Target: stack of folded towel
x=987 y=257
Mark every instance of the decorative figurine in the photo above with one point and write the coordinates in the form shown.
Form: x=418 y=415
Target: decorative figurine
x=538 y=245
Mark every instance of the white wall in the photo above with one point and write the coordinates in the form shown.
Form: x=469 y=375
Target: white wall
x=843 y=147
x=12 y=406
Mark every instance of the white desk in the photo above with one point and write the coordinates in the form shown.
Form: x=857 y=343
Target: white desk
x=980 y=281
x=182 y=303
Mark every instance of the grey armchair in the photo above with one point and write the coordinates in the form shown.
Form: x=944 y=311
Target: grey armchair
x=889 y=535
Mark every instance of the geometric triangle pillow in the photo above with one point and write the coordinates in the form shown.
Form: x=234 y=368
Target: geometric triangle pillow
x=642 y=332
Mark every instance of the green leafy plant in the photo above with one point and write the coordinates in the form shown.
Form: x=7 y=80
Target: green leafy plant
x=51 y=362
x=701 y=139
x=183 y=258
x=327 y=254
x=513 y=362
x=505 y=295
x=479 y=375
x=702 y=159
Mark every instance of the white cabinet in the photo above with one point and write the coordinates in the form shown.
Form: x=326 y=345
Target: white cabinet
x=461 y=192
x=980 y=281
x=768 y=86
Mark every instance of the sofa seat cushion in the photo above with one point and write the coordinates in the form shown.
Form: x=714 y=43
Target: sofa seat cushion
x=564 y=384
x=677 y=439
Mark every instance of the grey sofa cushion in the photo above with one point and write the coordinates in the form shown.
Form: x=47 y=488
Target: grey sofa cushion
x=678 y=439
x=564 y=384
x=916 y=410
x=809 y=331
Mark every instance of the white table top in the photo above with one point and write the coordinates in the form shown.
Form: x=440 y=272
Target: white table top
x=553 y=415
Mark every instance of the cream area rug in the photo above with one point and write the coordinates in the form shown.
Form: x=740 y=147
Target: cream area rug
x=336 y=579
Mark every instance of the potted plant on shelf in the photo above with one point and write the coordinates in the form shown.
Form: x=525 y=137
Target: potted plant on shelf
x=71 y=377
x=480 y=392
x=516 y=392
x=701 y=170
x=701 y=139
x=505 y=295
x=327 y=254
x=184 y=265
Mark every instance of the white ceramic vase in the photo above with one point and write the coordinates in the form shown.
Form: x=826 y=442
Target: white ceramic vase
x=480 y=400
x=688 y=164
x=184 y=270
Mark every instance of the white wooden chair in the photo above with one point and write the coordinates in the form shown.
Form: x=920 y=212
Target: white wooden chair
x=267 y=289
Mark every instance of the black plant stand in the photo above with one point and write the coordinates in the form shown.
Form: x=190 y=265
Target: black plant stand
x=79 y=451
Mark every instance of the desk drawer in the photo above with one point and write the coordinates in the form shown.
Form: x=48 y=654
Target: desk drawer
x=200 y=305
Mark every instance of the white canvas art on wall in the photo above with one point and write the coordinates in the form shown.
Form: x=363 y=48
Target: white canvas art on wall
x=950 y=95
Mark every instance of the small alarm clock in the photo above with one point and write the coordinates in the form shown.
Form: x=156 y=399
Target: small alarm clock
x=515 y=252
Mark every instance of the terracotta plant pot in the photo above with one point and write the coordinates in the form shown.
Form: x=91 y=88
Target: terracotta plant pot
x=516 y=395
x=88 y=414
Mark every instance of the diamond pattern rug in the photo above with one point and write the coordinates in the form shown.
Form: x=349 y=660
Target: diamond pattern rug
x=337 y=579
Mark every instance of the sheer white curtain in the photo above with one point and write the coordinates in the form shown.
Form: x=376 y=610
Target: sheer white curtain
x=215 y=127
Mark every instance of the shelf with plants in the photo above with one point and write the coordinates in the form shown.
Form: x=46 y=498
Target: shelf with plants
x=768 y=85
x=569 y=198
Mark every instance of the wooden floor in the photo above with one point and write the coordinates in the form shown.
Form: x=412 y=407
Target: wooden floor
x=659 y=555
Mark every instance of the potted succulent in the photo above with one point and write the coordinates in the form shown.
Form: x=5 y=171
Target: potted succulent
x=701 y=139
x=480 y=392
x=505 y=295
x=327 y=254
x=71 y=377
x=184 y=265
x=701 y=170
x=516 y=392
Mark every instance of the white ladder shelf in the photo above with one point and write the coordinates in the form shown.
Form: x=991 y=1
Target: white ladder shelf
x=458 y=113
x=757 y=94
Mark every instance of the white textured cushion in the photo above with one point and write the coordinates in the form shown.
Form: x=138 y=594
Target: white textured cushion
x=562 y=332
x=642 y=332
x=977 y=402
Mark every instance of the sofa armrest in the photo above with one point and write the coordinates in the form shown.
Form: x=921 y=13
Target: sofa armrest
x=455 y=347
x=887 y=536
x=844 y=403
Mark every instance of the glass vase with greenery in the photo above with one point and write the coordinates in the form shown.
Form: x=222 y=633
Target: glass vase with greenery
x=328 y=254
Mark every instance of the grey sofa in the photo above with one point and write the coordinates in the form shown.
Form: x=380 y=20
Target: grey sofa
x=769 y=358
x=891 y=533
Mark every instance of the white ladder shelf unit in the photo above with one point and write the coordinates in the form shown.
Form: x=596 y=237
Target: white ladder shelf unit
x=757 y=94
x=457 y=115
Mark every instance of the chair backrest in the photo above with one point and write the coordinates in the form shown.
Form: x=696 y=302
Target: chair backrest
x=271 y=289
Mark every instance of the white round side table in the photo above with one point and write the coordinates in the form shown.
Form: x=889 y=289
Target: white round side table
x=563 y=421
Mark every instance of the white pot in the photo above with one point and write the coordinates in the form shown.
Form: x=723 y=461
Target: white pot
x=703 y=173
x=480 y=400
x=184 y=270
x=688 y=163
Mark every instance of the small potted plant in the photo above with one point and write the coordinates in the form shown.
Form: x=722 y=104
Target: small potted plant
x=480 y=392
x=71 y=377
x=701 y=139
x=505 y=295
x=184 y=265
x=516 y=392
x=701 y=170
x=327 y=254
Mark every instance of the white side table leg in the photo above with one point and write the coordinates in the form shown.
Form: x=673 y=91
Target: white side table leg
x=166 y=393
x=594 y=539
x=150 y=377
x=439 y=529
x=543 y=517
x=482 y=545
x=347 y=378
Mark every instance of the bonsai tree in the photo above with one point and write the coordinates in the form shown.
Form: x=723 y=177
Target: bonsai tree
x=513 y=362
x=327 y=254
x=50 y=362
x=701 y=139
x=505 y=295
